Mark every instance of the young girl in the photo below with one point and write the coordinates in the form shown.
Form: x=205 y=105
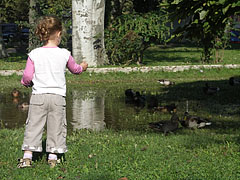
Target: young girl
x=45 y=72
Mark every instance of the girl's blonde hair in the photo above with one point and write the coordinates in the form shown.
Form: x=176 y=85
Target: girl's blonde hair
x=47 y=26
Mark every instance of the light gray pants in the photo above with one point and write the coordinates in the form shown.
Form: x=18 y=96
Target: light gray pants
x=50 y=108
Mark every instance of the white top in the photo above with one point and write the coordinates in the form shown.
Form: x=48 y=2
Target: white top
x=49 y=74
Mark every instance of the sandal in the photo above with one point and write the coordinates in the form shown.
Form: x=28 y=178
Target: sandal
x=23 y=163
x=53 y=163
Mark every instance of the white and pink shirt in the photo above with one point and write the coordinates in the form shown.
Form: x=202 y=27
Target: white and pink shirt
x=46 y=67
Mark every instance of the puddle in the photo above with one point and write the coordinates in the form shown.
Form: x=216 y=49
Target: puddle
x=87 y=108
x=97 y=108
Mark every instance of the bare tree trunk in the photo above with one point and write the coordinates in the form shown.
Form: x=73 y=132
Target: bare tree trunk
x=88 y=31
x=32 y=20
x=3 y=52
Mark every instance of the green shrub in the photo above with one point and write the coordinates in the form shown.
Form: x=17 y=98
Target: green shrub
x=130 y=35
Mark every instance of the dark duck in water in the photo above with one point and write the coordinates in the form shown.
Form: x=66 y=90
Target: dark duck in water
x=210 y=90
x=166 y=126
x=233 y=81
x=135 y=98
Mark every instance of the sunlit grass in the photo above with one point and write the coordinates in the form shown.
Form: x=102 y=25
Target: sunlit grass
x=138 y=152
x=154 y=56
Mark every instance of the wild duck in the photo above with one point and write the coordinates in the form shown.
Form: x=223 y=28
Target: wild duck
x=15 y=93
x=152 y=103
x=193 y=122
x=166 y=82
x=23 y=106
x=233 y=81
x=172 y=108
x=135 y=98
x=129 y=96
x=210 y=90
x=166 y=126
x=139 y=100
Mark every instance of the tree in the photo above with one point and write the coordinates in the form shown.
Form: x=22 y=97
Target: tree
x=88 y=31
x=14 y=10
x=3 y=52
x=59 y=8
x=206 y=21
x=132 y=27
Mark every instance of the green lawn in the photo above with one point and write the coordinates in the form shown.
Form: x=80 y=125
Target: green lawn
x=184 y=55
x=154 y=56
x=110 y=155
x=209 y=153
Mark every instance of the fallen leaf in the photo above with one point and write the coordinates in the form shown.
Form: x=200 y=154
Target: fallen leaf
x=123 y=178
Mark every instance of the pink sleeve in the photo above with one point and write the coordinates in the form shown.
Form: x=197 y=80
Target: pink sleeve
x=73 y=66
x=28 y=73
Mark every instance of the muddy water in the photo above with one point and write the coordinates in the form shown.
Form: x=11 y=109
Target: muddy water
x=87 y=108
x=107 y=107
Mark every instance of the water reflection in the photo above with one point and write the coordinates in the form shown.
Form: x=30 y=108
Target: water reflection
x=88 y=110
x=13 y=109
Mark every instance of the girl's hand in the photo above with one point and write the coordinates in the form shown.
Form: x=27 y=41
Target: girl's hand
x=84 y=65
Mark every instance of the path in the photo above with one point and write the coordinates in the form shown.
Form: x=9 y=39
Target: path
x=140 y=69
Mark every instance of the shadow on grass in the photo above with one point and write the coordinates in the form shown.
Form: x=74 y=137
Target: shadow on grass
x=16 y=57
x=171 y=54
x=222 y=109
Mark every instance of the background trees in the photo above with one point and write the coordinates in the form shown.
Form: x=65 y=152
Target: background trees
x=207 y=22
x=131 y=26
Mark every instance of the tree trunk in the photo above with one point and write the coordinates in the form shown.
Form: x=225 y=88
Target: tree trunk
x=32 y=42
x=3 y=52
x=88 y=31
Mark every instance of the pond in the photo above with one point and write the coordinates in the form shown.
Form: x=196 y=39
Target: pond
x=90 y=108
x=107 y=107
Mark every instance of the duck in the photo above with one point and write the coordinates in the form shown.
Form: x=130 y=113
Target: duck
x=129 y=96
x=194 y=122
x=233 y=81
x=23 y=106
x=139 y=100
x=172 y=108
x=132 y=97
x=166 y=126
x=15 y=93
x=166 y=82
x=210 y=90
x=152 y=102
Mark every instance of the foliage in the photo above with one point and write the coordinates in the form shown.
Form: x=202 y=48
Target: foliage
x=153 y=56
x=130 y=35
x=59 y=8
x=12 y=10
x=16 y=11
x=206 y=22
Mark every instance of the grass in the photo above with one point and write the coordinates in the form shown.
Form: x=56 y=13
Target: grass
x=209 y=153
x=154 y=56
x=110 y=155
x=185 y=55
x=139 y=153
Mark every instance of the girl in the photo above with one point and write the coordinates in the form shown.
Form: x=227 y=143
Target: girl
x=45 y=72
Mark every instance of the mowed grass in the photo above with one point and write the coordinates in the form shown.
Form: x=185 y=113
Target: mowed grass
x=154 y=56
x=186 y=55
x=111 y=154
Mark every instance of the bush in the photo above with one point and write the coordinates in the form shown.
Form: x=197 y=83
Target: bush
x=130 y=35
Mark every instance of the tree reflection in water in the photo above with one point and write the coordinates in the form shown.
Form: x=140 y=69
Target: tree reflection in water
x=88 y=110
